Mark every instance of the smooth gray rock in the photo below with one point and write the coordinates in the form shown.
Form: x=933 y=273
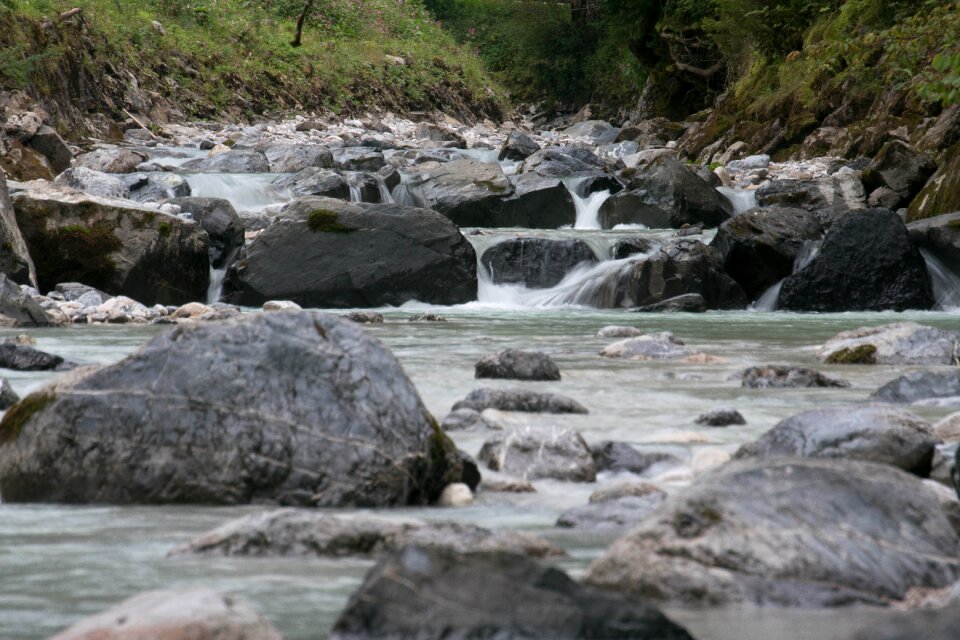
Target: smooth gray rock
x=619 y=513
x=221 y=222
x=898 y=343
x=919 y=385
x=304 y=533
x=156 y=186
x=291 y=158
x=232 y=161
x=783 y=377
x=111 y=160
x=467 y=420
x=15 y=260
x=940 y=236
x=873 y=433
x=315 y=181
x=95 y=183
x=518 y=146
x=514 y=364
x=652 y=346
x=436 y=594
x=787 y=532
x=519 y=400
x=620 y=456
x=295 y=408
x=533 y=453
x=466 y=191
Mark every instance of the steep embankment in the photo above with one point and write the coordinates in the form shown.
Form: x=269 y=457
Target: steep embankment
x=165 y=59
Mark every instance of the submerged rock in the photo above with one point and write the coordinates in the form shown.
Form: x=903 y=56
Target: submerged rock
x=467 y=420
x=231 y=161
x=535 y=453
x=935 y=624
x=899 y=343
x=686 y=303
x=614 y=510
x=620 y=456
x=874 y=433
x=536 y=263
x=920 y=385
x=720 y=418
x=197 y=614
x=293 y=408
x=433 y=594
x=788 y=532
x=519 y=400
x=514 y=364
x=652 y=346
x=785 y=377
x=297 y=532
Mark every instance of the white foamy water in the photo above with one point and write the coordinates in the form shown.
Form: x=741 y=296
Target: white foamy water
x=946 y=283
x=741 y=199
x=245 y=191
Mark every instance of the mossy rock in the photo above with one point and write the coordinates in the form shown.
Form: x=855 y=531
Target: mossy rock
x=76 y=253
x=326 y=221
x=942 y=192
x=862 y=354
x=13 y=420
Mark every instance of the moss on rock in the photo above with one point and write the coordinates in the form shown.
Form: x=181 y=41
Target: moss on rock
x=326 y=221
x=17 y=416
x=862 y=354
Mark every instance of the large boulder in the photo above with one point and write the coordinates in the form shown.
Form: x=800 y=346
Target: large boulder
x=941 y=237
x=294 y=408
x=436 y=594
x=518 y=146
x=941 y=194
x=898 y=343
x=536 y=263
x=112 y=245
x=519 y=400
x=559 y=162
x=466 y=191
x=874 y=433
x=232 y=161
x=537 y=202
x=866 y=263
x=839 y=192
x=920 y=385
x=156 y=186
x=304 y=533
x=759 y=248
x=665 y=194
x=48 y=142
x=111 y=160
x=291 y=158
x=221 y=222
x=791 y=532
x=900 y=168
x=315 y=181
x=534 y=453
x=327 y=253
x=182 y=614
x=19 y=309
x=95 y=183
x=15 y=260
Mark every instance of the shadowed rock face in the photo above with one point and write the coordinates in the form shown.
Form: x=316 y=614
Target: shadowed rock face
x=293 y=408
x=788 y=532
x=536 y=263
x=434 y=594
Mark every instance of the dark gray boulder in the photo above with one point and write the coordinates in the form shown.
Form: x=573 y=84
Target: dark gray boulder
x=866 y=263
x=788 y=532
x=533 y=453
x=620 y=456
x=666 y=194
x=221 y=222
x=685 y=303
x=873 y=433
x=15 y=261
x=536 y=263
x=21 y=357
x=519 y=400
x=558 y=162
x=758 y=248
x=327 y=253
x=783 y=377
x=940 y=236
x=514 y=364
x=8 y=397
x=48 y=142
x=537 y=202
x=436 y=594
x=232 y=161
x=315 y=181
x=358 y=158
x=304 y=533
x=920 y=385
x=294 y=408
x=900 y=168
x=630 y=247
x=518 y=146
x=720 y=418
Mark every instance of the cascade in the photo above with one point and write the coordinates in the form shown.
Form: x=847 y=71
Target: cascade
x=946 y=284
x=741 y=199
x=245 y=191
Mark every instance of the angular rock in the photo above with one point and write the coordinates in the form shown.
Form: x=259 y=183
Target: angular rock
x=156 y=186
x=221 y=222
x=112 y=245
x=111 y=160
x=759 y=248
x=291 y=158
x=686 y=303
x=513 y=364
x=358 y=158
x=920 y=385
x=898 y=343
x=720 y=418
x=789 y=532
x=519 y=400
x=466 y=191
x=18 y=309
x=95 y=183
x=882 y=270
x=941 y=194
x=303 y=533
x=536 y=453
x=873 y=433
x=899 y=168
x=15 y=261
x=327 y=253
x=48 y=142
x=940 y=236
x=518 y=146
x=8 y=397
x=434 y=594
x=192 y=417
x=25 y=358
x=232 y=161
x=630 y=247
x=536 y=202
x=783 y=377
x=556 y=162
x=620 y=456
x=842 y=191
x=315 y=181
x=197 y=614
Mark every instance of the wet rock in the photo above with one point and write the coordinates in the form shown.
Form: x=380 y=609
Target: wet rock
x=291 y=158
x=630 y=247
x=614 y=511
x=327 y=253
x=900 y=168
x=314 y=181
x=898 y=343
x=25 y=358
x=651 y=346
x=468 y=192
x=15 y=260
x=617 y=331
x=620 y=456
x=222 y=224
x=666 y=194
x=537 y=263
x=358 y=158
x=940 y=236
x=365 y=317
x=467 y=420
x=197 y=614
x=496 y=483
x=941 y=194
x=191 y=418
x=783 y=377
x=873 y=433
x=788 y=532
x=8 y=397
x=882 y=269
x=720 y=418
x=513 y=364
x=429 y=594
x=111 y=160
x=231 y=161
x=93 y=182
x=427 y=317
x=536 y=202
x=19 y=309
x=113 y=245
x=299 y=533
x=536 y=453
x=842 y=191
x=156 y=186
x=920 y=385
x=519 y=400
x=518 y=146
x=556 y=162
x=759 y=248
x=686 y=303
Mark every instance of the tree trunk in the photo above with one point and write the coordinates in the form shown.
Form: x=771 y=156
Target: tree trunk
x=303 y=16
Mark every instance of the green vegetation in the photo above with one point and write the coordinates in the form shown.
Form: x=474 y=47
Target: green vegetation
x=210 y=57
x=17 y=416
x=325 y=221
x=863 y=354
x=165 y=229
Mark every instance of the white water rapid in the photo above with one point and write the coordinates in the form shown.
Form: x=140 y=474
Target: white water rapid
x=741 y=199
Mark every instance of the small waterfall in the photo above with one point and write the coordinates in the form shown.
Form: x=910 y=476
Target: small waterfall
x=217 y=276
x=741 y=199
x=587 y=205
x=245 y=191
x=355 y=194
x=385 y=195
x=768 y=299
x=946 y=284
